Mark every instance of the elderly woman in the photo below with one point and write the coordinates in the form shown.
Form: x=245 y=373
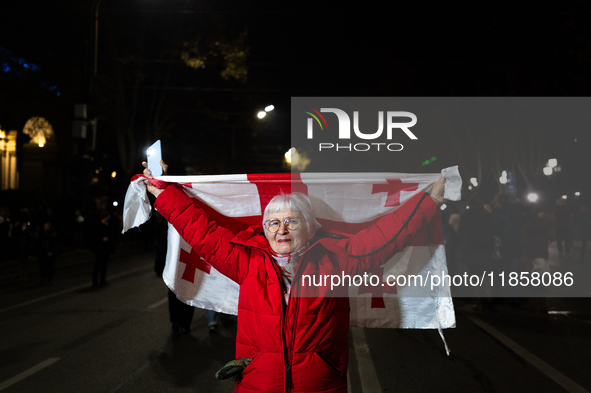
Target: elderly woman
x=296 y=343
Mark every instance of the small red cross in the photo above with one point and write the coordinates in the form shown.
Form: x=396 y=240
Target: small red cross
x=377 y=292
x=193 y=262
x=393 y=188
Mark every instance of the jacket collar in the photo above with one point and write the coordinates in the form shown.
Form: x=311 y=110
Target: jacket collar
x=252 y=237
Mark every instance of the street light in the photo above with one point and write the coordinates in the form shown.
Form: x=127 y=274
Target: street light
x=289 y=153
x=552 y=162
x=39 y=130
x=262 y=114
x=503 y=178
x=547 y=171
x=532 y=197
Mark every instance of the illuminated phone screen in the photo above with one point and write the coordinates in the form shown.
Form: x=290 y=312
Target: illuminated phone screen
x=154 y=156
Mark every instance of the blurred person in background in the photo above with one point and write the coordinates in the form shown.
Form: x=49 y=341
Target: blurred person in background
x=180 y=314
x=509 y=230
x=451 y=222
x=103 y=240
x=536 y=240
x=563 y=227
x=79 y=234
x=48 y=252
x=23 y=241
x=5 y=233
x=584 y=228
x=476 y=232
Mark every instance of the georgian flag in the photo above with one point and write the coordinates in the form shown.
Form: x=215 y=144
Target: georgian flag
x=342 y=202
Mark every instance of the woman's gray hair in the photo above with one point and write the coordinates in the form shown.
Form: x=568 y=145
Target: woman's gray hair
x=296 y=201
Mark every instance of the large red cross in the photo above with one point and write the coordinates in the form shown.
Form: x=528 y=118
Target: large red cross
x=193 y=262
x=393 y=188
x=377 y=292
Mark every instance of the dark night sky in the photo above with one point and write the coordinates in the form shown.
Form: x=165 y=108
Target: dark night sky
x=428 y=50
x=363 y=50
x=498 y=49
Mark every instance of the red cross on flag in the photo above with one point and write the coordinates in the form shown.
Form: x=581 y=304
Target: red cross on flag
x=343 y=203
x=394 y=187
x=193 y=262
x=377 y=300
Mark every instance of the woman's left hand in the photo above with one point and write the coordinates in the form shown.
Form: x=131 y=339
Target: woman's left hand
x=438 y=190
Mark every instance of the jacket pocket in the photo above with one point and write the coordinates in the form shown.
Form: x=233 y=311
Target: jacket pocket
x=252 y=360
x=248 y=368
x=328 y=364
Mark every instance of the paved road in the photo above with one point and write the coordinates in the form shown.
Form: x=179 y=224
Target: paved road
x=67 y=337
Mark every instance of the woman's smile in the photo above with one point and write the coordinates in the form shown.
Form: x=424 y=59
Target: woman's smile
x=285 y=241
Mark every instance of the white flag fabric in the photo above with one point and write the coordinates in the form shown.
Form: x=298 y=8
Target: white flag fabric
x=343 y=203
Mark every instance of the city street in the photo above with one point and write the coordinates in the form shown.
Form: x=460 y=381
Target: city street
x=287 y=138
x=68 y=337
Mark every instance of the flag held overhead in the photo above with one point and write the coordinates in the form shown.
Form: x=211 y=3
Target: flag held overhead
x=344 y=203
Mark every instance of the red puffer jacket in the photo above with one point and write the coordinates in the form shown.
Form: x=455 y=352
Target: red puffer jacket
x=301 y=346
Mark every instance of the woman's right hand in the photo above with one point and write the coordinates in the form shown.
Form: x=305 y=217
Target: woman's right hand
x=148 y=173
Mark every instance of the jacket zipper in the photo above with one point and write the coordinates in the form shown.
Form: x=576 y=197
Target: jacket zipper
x=297 y=304
x=296 y=299
x=283 y=308
x=285 y=353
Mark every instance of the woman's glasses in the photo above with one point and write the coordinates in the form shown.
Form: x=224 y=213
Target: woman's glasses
x=290 y=223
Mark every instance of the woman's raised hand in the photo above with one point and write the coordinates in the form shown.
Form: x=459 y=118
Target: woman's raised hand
x=148 y=173
x=438 y=190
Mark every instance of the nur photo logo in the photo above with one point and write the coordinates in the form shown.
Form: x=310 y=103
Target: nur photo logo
x=394 y=121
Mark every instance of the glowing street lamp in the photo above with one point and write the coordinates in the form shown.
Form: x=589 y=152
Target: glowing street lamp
x=288 y=154
x=474 y=182
x=39 y=130
x=261 y=114
x=552 y=162
x=532 y=197
x=297 y=161
x=547 y=170
x=503 y=178
x=269 y=108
